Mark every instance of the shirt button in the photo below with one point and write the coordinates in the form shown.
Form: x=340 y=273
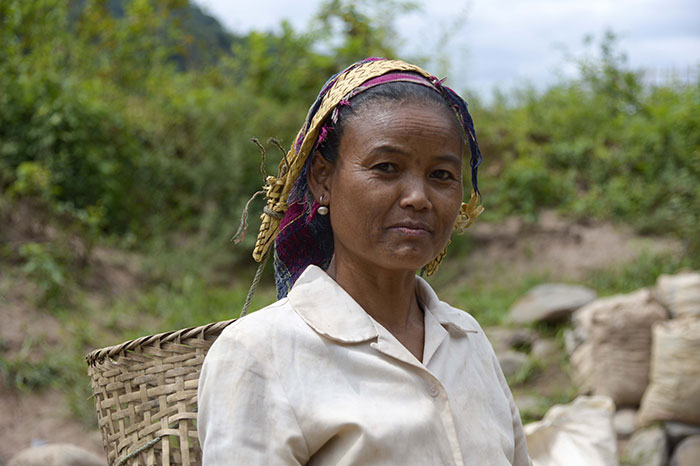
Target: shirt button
x=434 y=391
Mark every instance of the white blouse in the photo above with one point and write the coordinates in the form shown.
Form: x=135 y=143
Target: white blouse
x=313 y=379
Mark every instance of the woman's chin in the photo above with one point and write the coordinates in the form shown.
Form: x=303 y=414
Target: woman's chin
x=406 y=261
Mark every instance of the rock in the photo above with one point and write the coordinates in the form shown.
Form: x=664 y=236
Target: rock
x=503 y=338
x=56 y=454
x=545 y=349
x=680 y=293
x=625 y=422
x=551 y=302
x=647 y=447
x=687 y=452
x=511 y=362
x=677 y=431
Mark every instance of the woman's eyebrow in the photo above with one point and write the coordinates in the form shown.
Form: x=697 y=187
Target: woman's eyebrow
x=450 y=158
x=389 y=149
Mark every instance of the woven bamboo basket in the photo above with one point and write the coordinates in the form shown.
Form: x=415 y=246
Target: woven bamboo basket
x=146 y=396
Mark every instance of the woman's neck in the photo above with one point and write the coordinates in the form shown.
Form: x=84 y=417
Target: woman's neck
x=388 y=296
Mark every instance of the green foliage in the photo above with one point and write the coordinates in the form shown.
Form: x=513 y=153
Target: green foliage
x=47 y=271
x=489 y=300
x=605 y=146
x=529 y=371
x=356 y=29
x=640 y=273
x=190 y=302
x=103 y=114
x=527 y=182
x=25 y=375
x=32 y=179
x=123 y=122
x=25 y=371
x=97 y=96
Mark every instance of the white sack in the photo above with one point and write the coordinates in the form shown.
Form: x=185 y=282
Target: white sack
x=680 y=293
x=580 y=433
x=614 y=358
x=674 y=387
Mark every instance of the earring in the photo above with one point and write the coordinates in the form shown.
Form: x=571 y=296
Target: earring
x=432 y=266
x=322 y=210
x=468 y=213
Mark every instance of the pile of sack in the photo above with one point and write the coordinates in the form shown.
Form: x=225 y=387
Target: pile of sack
x=642 y=350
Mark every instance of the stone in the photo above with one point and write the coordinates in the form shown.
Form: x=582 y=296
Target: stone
x=504 y=338
x=625 y=422
x=551 y=302
x=647 y=447
x=56 y=454
x=512 y=362
x=545 y=349
x=687 y=452
x=677 y=431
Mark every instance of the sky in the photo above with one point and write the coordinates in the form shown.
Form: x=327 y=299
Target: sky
x=507 y=43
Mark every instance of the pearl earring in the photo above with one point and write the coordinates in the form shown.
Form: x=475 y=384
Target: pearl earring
x=322 y=210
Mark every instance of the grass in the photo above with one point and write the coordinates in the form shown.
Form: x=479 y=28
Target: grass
x=188 y=286
x=489 y=300
x=27 y=375
x=168 y=307
x=161 y=308
x=175 y=291
x=640 y=273
x=527 y=373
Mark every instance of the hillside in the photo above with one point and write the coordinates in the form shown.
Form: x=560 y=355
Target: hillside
x=126 y=160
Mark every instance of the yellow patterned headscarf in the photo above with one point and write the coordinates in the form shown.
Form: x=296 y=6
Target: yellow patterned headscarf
x=335 y=92
x=277 y=188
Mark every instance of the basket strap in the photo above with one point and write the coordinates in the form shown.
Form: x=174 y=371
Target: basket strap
x=254 y=285
x=139 y=450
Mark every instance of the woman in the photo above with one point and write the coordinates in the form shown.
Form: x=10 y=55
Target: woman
x=359 y=362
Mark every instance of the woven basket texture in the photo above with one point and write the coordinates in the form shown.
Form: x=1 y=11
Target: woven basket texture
x=146 y=396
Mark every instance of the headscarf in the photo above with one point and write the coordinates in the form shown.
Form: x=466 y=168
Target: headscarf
x=290 y=220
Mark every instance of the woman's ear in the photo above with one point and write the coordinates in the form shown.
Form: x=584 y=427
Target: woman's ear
x=321 y=176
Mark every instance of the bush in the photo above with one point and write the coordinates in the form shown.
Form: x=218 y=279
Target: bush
x=47 y=271
x=605 y=146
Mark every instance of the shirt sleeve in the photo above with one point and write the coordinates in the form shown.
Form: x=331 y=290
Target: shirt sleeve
x=244 y=415
x=520 y=455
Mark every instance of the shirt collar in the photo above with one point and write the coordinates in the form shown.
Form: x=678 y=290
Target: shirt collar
x=454 y=320
x=328 y=309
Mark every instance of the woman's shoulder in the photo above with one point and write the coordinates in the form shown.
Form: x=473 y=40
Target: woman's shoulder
x=275 y=324
x=461 y=317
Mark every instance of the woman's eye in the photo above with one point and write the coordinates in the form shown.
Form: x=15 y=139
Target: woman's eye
x=385 y=167
x=443 y=175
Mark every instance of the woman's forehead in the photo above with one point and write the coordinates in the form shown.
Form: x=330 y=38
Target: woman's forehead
x=415 y=116
x=403 y=125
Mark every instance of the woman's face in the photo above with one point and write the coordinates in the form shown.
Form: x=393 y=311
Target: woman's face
x=395 y=191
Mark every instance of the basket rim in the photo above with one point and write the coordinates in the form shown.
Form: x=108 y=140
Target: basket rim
x=97 y=356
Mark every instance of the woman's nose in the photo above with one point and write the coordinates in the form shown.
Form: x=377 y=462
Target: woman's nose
x=415 y=195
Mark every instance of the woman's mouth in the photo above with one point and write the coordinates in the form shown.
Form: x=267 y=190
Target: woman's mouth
x=411 y=228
